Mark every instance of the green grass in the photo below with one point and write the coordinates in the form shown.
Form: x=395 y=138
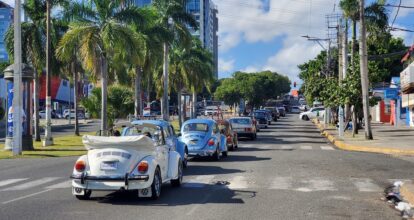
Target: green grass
x=64 y=146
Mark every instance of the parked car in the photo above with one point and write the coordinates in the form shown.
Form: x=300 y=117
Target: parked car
x=282 y=111
x=140 y=127
x=312 y=113
x=261 y=119
x=126 y=163
x=210 y=110
x=231 y=136
x=203 y=138
x=295 y=109
x=66 y=114
x=42 y=114
x=274 y=111
x=244 y=127
x=267 y=114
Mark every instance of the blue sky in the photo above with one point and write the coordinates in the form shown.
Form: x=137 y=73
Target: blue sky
x=260 y=35
x=257 y=35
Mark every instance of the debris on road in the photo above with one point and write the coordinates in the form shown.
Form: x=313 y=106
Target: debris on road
x=393 y=196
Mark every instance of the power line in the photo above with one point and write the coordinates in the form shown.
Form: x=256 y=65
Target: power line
x=396 y=14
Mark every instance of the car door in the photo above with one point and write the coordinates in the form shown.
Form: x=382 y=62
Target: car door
x=162 y=154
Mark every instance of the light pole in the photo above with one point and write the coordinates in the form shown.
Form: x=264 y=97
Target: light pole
x=17 y=78
x=48 y=133
x=164 y=103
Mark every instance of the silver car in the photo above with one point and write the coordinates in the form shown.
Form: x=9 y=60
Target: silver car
x=244 y=127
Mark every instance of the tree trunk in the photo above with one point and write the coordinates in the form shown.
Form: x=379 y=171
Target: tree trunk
x=180 y=116
x=364 y=71
x=104 y=85
x=354 y=121
x=164 y=102
x=138 y=89
x=354 y=45
x=36 y=107
x=194 y=107
x=75 y=97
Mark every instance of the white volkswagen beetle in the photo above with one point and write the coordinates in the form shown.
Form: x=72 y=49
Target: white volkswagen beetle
x=126 y=163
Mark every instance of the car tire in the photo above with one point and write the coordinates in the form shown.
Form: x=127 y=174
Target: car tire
x=252 y=137
x=185 y=159
x=216 y=155
x=177 y=182
x=156 y=185
x=305 y=117
x=86 y=196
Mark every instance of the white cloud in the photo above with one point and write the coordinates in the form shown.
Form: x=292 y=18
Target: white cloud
x=9 y=2
x=226 y=66
x=406 y=36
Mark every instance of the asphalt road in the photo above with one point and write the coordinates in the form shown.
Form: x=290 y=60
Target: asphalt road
x=289 y=172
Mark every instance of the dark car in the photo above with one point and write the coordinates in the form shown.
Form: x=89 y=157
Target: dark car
x=282 y=111
x=274 y=111
x=261 y=118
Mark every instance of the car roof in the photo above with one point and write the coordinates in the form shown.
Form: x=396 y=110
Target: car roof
x=205 y=121
x=160 y=123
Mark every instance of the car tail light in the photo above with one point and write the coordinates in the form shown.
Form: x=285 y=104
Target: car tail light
x=211 y=142
x=80 y=166
x=142 y=167
x=248 y=129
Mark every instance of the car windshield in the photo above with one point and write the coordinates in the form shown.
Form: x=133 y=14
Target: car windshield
x=142 y=130
x=202 y=127
x=259 y=114
x=240 y=121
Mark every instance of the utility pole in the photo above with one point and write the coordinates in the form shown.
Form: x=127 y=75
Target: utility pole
x=164 y=101
x=340 y=77
x=344 y=58
x=364 y=70
x=17 y=79
x=48 y=133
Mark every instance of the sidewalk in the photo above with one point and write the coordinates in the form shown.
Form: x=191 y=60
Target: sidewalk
x=387 y=139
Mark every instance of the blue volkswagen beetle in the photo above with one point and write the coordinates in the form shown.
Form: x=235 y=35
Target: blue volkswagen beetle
x=203 y=138
x=165 y=131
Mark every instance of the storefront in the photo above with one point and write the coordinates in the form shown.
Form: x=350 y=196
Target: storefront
x=408 y=103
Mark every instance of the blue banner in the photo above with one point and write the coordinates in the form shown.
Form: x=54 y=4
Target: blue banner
x=10 y=109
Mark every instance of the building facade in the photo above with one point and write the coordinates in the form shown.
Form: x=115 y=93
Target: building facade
x=205 y=13
x=6 y=18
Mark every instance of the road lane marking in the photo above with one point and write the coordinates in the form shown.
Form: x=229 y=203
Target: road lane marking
x=281 y=183
x=365 y=185
x=238 y=182
x=317 y=185
x=286 y=147
x=327 y=148
x=306 y=147
x=198 y=182
x=62 y=185
x=26 y=196
x=11 y=181
x=31 y=184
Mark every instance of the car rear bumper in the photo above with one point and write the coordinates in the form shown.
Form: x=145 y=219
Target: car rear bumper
x=201 y=153
x=245 y=134
x=106 y=183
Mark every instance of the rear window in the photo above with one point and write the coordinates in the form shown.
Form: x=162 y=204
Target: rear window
x=295 y=107
x=196 y=127
x=240 y=121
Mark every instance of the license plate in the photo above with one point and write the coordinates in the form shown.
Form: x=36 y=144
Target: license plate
x=113 y=165
x=239 y=129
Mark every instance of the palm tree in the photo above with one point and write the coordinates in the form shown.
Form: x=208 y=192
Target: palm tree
x=33 y=44
x=174 y=19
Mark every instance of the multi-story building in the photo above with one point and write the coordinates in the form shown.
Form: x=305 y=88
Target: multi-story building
x=6 y=18
x=205 y=13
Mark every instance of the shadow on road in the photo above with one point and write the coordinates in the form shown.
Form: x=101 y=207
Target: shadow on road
x=194 y=169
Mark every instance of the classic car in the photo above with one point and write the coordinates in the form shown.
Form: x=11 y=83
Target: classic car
x=231 y=136
x=203 y=138
x=244 y=127
x=171 y=138
x=262 y=119
x=126 y=163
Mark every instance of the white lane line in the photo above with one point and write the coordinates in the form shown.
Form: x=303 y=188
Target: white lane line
x=306 y=147
x=26 y=196
x=317 y=185
x=31 y=184
x=402 y=180
x=11 y=181
x=281 y=183
x=365 y=185
x=238 y=182
x=62 y=185
x=286 y=147
x=198 y=182
x=327 y=148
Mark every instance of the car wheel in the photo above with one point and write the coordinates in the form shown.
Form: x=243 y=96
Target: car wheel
x=216 y=155
x=67 y=117
x=177 y=182
x=224 y=153
x=185 y=160
x=305 y=117
x=156 y=185
x=86 y=196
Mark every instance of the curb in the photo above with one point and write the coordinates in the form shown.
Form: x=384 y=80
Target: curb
x=406 y=192
x=349 y=147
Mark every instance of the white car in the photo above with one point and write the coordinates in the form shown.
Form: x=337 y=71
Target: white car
x=66 y=114
x=126 y=163
x=312 y=113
